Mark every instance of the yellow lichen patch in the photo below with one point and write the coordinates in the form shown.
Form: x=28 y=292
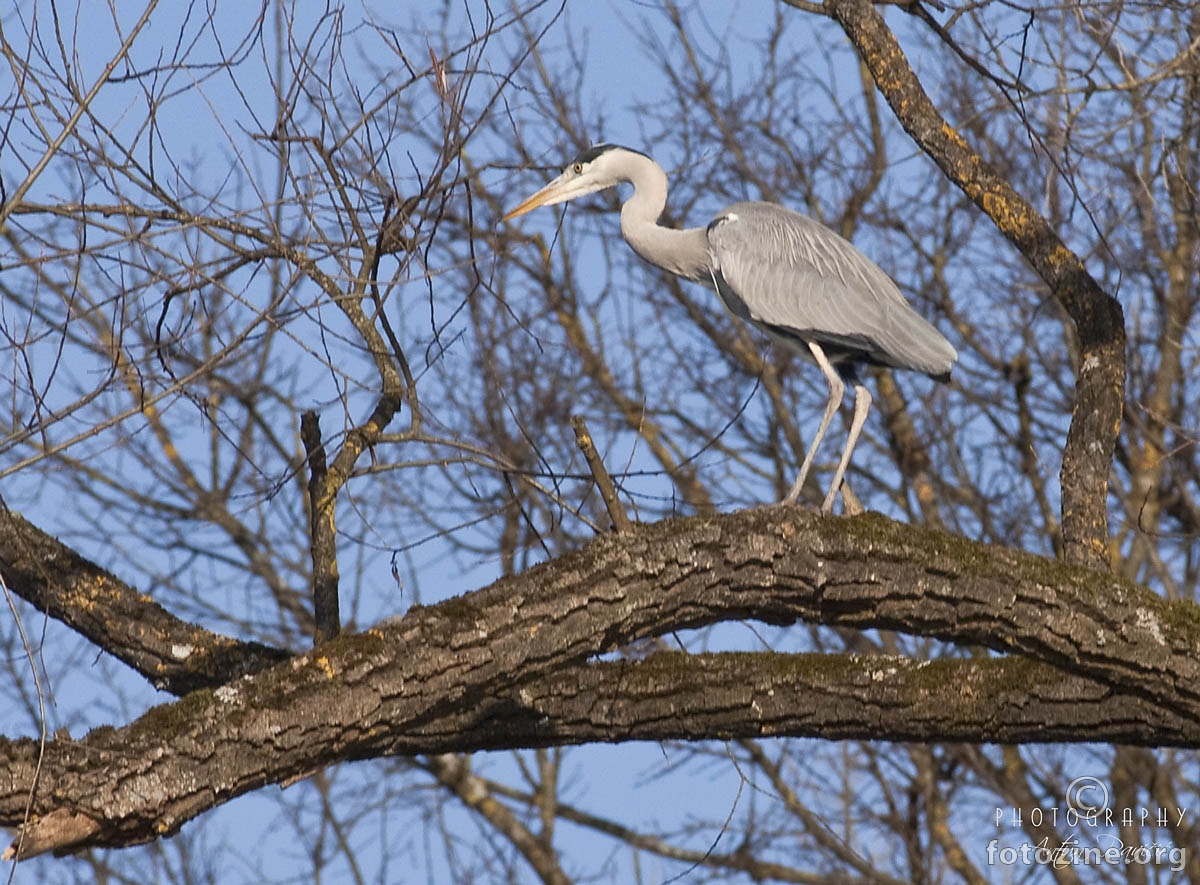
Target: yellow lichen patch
x=951 y=134
x=1060 y=256
x=326 y=666
x=1008 y=214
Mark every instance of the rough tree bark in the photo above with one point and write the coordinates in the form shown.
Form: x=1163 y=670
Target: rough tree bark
x=511 y=666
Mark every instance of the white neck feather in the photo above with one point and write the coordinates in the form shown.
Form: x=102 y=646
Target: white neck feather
x=682 y=252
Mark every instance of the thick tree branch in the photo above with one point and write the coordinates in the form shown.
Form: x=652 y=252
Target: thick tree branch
x=726 y=696
x=843 y=697
x=669 y=696
x=508 y=666
x=1098 y=318
x=322 y=533
x=174 y=655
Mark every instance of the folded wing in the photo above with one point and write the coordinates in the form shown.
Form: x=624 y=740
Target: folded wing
x=802 y=282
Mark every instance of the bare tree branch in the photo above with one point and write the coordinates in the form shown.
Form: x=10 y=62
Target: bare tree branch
x=322 y=532
x=507 y=666
x=172 y=654
x=1097 y=316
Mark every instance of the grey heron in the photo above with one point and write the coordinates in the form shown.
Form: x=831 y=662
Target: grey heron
x=789 y=275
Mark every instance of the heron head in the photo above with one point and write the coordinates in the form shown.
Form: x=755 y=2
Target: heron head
x=591 y=171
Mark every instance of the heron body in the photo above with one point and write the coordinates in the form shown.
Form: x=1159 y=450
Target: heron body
x=789 y=275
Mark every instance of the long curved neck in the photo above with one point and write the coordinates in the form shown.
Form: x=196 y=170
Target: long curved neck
x=682 y=252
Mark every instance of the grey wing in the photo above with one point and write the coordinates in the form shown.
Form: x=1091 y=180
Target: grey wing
x=801 y=281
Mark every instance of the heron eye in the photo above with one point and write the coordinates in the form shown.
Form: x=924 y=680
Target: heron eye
x=577 y=168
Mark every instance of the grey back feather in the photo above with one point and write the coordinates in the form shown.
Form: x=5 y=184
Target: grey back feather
x=802 y=282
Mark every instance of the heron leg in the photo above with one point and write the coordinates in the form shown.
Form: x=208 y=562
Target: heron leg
x=837 y=389
x=862 y=405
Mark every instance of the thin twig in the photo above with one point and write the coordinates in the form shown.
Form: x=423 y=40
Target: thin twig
x=608 y=492
x=80 y=109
